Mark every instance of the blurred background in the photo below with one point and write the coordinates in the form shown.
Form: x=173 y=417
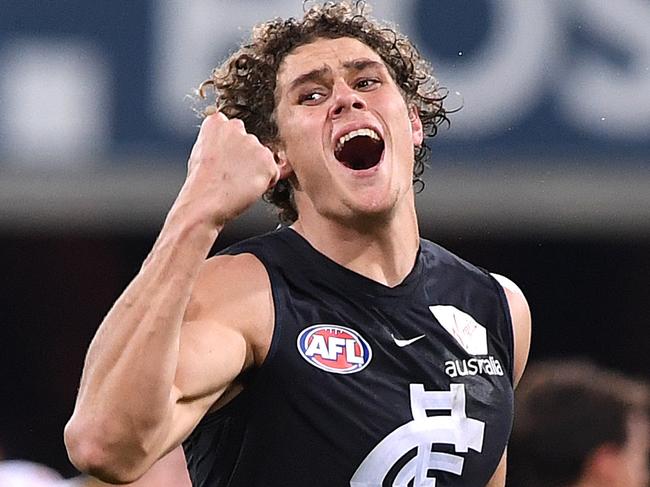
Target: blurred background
x=544 y=175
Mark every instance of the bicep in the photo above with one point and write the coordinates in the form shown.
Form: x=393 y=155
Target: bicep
x=211 y=357
x=228 y=318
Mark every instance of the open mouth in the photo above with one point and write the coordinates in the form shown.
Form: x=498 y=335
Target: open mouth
x=360 y=149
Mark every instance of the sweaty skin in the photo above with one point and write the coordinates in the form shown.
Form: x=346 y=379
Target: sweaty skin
x=175 y=343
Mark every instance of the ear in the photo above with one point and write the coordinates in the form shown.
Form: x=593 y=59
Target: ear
x=283 y=163
x=416 y=126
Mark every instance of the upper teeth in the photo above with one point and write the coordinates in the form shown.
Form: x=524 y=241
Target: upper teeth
x=356 y=133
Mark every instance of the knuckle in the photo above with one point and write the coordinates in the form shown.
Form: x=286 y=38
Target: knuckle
x=210 y=124
x=237 y=124
x=214 y=119
x=252 y=139
x=264 y=154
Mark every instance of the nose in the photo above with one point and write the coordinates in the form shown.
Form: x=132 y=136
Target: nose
x=345 y=99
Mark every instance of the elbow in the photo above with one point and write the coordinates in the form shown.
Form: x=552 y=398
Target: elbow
x=92 y=452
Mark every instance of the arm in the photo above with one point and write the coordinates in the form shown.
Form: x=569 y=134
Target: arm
x=169 y=471
x=144 y=384
x=499 y=477
x=521 y=324
x=521 y=329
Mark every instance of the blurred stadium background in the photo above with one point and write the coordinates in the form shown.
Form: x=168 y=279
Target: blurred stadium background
x=544 y=175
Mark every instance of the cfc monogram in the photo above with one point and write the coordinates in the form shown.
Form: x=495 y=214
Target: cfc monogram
x=421 y=434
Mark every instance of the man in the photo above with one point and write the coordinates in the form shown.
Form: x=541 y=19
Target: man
x=579 y=425
x=342 y=350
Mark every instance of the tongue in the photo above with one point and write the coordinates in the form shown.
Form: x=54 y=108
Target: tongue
x=361 y=153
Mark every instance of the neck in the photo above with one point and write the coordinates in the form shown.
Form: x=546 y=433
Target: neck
x=382 y=249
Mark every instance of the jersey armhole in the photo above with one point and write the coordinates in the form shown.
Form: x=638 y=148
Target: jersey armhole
x=510 y=334
x=251 y=376
x=277 y=328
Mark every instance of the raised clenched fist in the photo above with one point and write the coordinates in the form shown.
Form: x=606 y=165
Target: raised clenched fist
x=228 y=170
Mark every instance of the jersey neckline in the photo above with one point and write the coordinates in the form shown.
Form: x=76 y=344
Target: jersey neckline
x=340 y=275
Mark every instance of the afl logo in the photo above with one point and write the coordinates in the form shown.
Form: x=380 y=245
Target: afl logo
x=334 y=348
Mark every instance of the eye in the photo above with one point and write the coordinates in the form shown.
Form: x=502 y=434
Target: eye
x=366 y=84
x=311 y=98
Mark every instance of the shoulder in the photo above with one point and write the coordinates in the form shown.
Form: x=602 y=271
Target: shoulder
x=441 y=256
x=234 y=291
x=521 y=322
x=435 y=250
x=232 y=276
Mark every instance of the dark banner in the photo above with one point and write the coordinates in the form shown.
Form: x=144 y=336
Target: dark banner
x=109 y=81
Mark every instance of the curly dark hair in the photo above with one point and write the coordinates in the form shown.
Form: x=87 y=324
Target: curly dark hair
x=244 y=85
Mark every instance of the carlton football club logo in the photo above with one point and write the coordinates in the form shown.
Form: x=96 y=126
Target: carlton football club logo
x=334 y=348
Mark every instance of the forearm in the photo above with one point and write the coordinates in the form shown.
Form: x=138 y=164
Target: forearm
x=126 y=395
x=127 y=399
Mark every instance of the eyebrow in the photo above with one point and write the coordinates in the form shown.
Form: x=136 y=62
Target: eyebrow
x=313 y=75
x=361 y=64
x=319 y=73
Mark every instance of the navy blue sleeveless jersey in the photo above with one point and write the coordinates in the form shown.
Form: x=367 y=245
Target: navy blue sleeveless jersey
x=366 y=385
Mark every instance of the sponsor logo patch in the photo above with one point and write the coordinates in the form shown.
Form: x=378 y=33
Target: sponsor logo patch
x=468 y=332
x=334 y=348
x=473 y=366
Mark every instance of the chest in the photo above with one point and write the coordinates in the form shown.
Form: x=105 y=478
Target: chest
x=395 y=390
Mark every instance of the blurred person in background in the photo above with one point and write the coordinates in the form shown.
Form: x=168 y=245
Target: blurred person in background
x=23 y=473
x=169 y=471
x=579 y=425
x=314 y=354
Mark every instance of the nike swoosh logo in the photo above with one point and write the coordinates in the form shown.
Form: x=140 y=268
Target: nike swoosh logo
x=404 y=343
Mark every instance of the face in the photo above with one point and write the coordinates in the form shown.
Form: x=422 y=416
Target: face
x=346 y=133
